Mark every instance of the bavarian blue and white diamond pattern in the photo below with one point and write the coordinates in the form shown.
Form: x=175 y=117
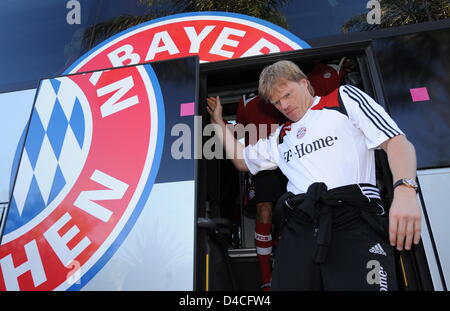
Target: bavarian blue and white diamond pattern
x=53 y=149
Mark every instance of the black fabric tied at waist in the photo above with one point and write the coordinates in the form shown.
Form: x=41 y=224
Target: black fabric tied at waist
x=318 y=202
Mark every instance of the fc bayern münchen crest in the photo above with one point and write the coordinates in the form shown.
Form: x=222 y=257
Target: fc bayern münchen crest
x=94 y=145
x=301 y=132
x=88 y=165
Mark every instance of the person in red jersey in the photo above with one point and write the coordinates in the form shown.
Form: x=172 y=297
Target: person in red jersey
x=265 y=187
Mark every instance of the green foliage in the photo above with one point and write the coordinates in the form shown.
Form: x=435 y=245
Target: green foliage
x=264 y=9
x=401 y=12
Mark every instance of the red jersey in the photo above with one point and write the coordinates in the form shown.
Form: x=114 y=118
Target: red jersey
x=325 y=78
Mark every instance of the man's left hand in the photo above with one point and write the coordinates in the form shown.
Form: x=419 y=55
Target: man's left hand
x=404 y=219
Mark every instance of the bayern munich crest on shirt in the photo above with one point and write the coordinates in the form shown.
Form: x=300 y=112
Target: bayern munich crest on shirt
x=92 y=153
x=301 y=132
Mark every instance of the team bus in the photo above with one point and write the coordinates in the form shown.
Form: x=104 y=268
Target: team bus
x=110 y=175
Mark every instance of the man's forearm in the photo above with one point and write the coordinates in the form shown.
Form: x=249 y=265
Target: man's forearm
x=404 y=214
x=401 y=157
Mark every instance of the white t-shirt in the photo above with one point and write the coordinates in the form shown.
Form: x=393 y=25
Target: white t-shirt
x=333 y=143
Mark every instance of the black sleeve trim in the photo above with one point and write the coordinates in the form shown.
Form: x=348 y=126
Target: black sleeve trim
x=373 y=115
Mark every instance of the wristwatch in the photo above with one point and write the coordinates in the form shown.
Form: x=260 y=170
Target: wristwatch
x=408 y=182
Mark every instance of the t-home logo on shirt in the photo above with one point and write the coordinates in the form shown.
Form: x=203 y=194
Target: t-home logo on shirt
x=303 y=149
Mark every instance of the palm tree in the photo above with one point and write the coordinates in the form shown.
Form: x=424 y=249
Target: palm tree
x=264 y=9
x=101 y=31
x=401 y=12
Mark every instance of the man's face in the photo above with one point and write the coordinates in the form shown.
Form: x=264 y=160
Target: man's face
x=291 y=98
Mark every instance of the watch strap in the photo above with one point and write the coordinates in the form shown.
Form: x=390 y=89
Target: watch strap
x=401 y=182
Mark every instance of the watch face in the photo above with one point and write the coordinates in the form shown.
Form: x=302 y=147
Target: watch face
x=410 y=182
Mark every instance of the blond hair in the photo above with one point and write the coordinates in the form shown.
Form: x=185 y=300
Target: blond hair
x=276 y=73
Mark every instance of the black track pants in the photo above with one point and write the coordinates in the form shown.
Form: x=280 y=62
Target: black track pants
x=358 y=257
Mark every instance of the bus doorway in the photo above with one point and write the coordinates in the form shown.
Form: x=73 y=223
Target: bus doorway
x=226 y=256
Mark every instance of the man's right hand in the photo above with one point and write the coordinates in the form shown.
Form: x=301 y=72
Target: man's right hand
x=233 y=148
x=214 y=109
